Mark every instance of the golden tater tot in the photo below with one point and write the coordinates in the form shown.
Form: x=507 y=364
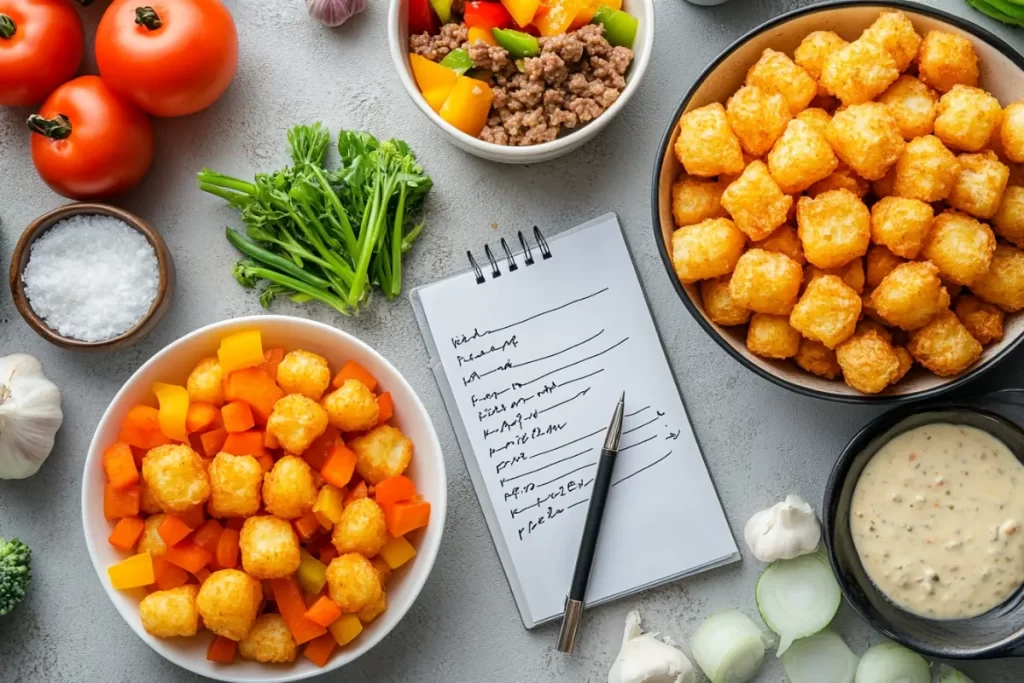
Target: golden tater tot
x=757 y=118
x=960 y=246
x=695 y=200
x=983 y=320
x=870 y=324
x=383 y=570
x=1009 y=219
x=947 y=59
x=361 y=529
x=866 y=137
x=966 y=118
x=771 y=336
x=151 y=541
x=944 y=345
x=813 y=50
x=834 y=227
x=801 y=157
x=1011 y=132
x=373 y=610
x=827 y=311
x=784 y=240
x=206 y=382
x=719 y=304
x=843 y=178
x=817 y=359
x=302 y=372
x=893 y=32
x=352 y=582
x=884 y=187
x=352 y=407
x=296 y=421
x=269 y=547
x=766 y=282
x=170 y=613
x=176 y=477
x=148 y=504
x=868 y=361
x=706 y=145
x=911 y=295
x=912 y=105
x=1003 y=283
x=926 y=170
x=979 y=184
x=858 y=72
x=852 y=274
x=381 y=453
x=776 y=72
x=707 y=249
x=816 y=118
x=906 y=362
x=235 y=482
x=228 y=602
x=755 y=202
x=878 y=263
x=269 y=641
x=288 y=488
x=901 y=224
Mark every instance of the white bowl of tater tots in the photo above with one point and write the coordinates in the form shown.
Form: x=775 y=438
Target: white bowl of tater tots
x=264 y=499
x=839 y=201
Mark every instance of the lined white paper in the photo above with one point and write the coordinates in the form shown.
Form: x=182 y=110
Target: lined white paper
x=536 y=360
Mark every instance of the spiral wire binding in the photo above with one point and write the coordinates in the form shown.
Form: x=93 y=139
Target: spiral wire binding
x=526 y=249
x=542 y=243
x=510 y=259
x=495 y=271
x=476 y=269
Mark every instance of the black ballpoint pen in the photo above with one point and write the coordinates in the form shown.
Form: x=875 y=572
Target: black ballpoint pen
x=591 y=530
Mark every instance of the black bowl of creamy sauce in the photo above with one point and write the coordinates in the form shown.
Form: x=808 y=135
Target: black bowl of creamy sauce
x=924 y=524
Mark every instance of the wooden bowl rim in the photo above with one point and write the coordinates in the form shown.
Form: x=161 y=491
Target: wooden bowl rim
x=20 y=258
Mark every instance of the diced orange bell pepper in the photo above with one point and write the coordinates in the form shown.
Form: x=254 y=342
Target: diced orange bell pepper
x=255 y=387
x=188 y=556
x=245 y=443
x=341 y=463
x=133 y=572
x=345 y=628
x=356 y=492
x=468 y=105
x=385 y=407
x=202 y=575
x=353 y=370
x=227 y=549
x=522 y=10
x=167 y=576
x=141 y=428
x=323 y=611
x=402 y=518
x=316 y=454
x=208 y=535
x=293 y=609
x=237 y=416
x=271 y=360
x=193 y=517
x=586 y=13
x=119 y=465
x=307 y=525
x=558 y=16
x=213 y=441
x=118 y=503
x=434 y=81
x=222 y=650
x=328 y=553
x=397 y=551
x=480 y=33
x=201 y=416
x=330 y=501
x=266 y=462
x=173 y=530
x=319 y=649
x=394 y=490
x=126 y=532
x=173 y=413
x=241 y=350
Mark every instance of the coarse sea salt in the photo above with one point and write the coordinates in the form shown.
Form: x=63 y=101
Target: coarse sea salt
x=91 y=277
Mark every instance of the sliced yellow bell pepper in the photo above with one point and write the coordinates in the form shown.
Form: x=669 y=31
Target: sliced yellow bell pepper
x=434 y=81
x=240 y=350
x=311 y=574
x=522 y=11
x=328 y=505
x=468 y=105
x=173 y=415
x=479 y=33
x=133 y=572
x=586 y=13
x=555 y=16
x=397 y=551
x=345 y=628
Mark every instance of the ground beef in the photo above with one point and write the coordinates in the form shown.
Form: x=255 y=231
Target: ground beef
x=488 y=57
x=434 y=48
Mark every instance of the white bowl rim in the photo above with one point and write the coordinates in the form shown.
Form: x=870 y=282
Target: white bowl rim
x=641 y=58
x=884 y=399
x=439 y=507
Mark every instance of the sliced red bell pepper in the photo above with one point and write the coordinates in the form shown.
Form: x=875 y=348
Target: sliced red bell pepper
x=487 y=15
x=422 y=18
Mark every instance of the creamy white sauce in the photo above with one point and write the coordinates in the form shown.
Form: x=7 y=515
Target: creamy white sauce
x=936 y=520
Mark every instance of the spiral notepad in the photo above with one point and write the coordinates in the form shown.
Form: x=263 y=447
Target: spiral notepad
x=531 y=348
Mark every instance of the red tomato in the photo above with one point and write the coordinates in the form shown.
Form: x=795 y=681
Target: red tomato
x=41 y=46
x=170 y=57
x=89 y=142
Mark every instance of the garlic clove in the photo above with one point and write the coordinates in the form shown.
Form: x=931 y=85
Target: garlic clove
x=643 y=658
x=784 y=531
x=334 y=12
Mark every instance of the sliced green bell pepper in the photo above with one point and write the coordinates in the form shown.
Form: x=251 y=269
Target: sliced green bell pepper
x=619 y=27
x=519 y=45
x=443 y=9
x=985 y=8
x=458 y=61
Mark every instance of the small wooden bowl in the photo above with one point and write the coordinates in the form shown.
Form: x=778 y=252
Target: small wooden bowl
x=130 y=336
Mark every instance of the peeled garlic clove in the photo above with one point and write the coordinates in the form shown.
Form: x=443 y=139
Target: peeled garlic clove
x=644 y=658
x=784 y=531
x=334 y=12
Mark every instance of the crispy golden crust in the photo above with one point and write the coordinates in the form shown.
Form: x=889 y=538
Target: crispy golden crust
x=289 y=489
x=966 y=118
x=1003 y=283
x=775 y=71
x=910 y=296
x=926 y=170
x=206 y=382
x=894 y=33
x=960 y=246
x=707 y=249
x=912 y=105
x=757 y=118
x=695 y=200
x=866 y=138
x=269 y=641
x=947 y=59
x=302 y=372
x=868 y=361
x=944 y=345
x=170 y=613
x=755 y=202
x=228 y=601
x=719 y=304
x=983 y=320
x=817 y=359
x=1011 y=132
x=352 y=407
x=858 y=72
x=296 y=421
x=979 y=184
x=269 y=547
x=1009 y=219
x=901 y=225
x=352 y=582
x=801 y=157
x=706 y=145
x=362 y=528
x=827 y=311
x=771 y=336
x=235 y=482
x=834 y=227
x=766 y=282
x=176 y=477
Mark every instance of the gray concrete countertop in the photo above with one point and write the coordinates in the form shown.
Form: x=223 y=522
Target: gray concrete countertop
x=761 y=442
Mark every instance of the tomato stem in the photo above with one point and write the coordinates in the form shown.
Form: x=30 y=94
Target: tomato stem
x=57 y=128
x=147 y=16
x=7 y=26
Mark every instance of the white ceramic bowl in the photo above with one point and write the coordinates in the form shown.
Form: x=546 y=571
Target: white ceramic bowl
x=173 y=365
x=398 y=37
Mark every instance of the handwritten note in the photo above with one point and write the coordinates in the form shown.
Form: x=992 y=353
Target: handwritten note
x=535 y=361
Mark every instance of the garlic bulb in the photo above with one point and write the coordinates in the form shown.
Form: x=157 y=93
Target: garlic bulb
x=334 y=12
x=30 y=416
x=785 y=530
x=644 y=658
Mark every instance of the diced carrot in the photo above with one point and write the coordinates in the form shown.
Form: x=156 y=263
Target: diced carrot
x=202 y=575
x=402 y=518
x=222 y=650
x=207 y=536
x=141 y=428
x=328 y=553
x=319 y=649
x=118 y=503
x=316 y=454
x=126 y=532
x=193 y=517
x=293 y=609
x=255 y=387
x=227 y=549
x=385 y=407
x=132 y=572
x=266 y=462
x=213 y=441
x=119 y=465
x=241 y=350
x=270 y=441
x=356 y=492
x=271 y=359
x=173 y=530
x=188 y=556
x=201 y=416
x=245 y=443
x=234 y=523
x=168 y=575
x=307 y=525
x=237 y=417
x=323 y=611
x=353 y=370
x=340 y=464
x=394 y=490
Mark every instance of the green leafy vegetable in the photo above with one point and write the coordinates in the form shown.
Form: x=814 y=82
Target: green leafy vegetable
x=15 y=573
x=331 y=235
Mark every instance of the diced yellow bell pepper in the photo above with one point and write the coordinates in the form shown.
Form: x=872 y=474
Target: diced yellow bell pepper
x=311 y=574
x=521 y=10
x=133 y=572
x=555 y=16
x=328 y=505
x=586 y=13
x=468 y=105
x=434 y=81
x=241 y=350
x=173 y=413
x=345 y=628
x=480 y=33
x=397 y=551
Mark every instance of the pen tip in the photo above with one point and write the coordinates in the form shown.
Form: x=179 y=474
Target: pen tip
x=622 y=399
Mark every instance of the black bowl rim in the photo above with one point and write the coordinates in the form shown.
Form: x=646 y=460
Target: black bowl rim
x=837 y=478
x=666 y=258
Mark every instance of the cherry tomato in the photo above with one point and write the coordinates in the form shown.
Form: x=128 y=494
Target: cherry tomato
x=88 y=142
x=170 y=57
x=41 y=46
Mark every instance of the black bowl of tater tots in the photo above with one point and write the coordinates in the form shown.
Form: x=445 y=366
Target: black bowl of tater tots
x=839 y=201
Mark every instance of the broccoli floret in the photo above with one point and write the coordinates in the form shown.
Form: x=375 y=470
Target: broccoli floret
x=15 y=573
